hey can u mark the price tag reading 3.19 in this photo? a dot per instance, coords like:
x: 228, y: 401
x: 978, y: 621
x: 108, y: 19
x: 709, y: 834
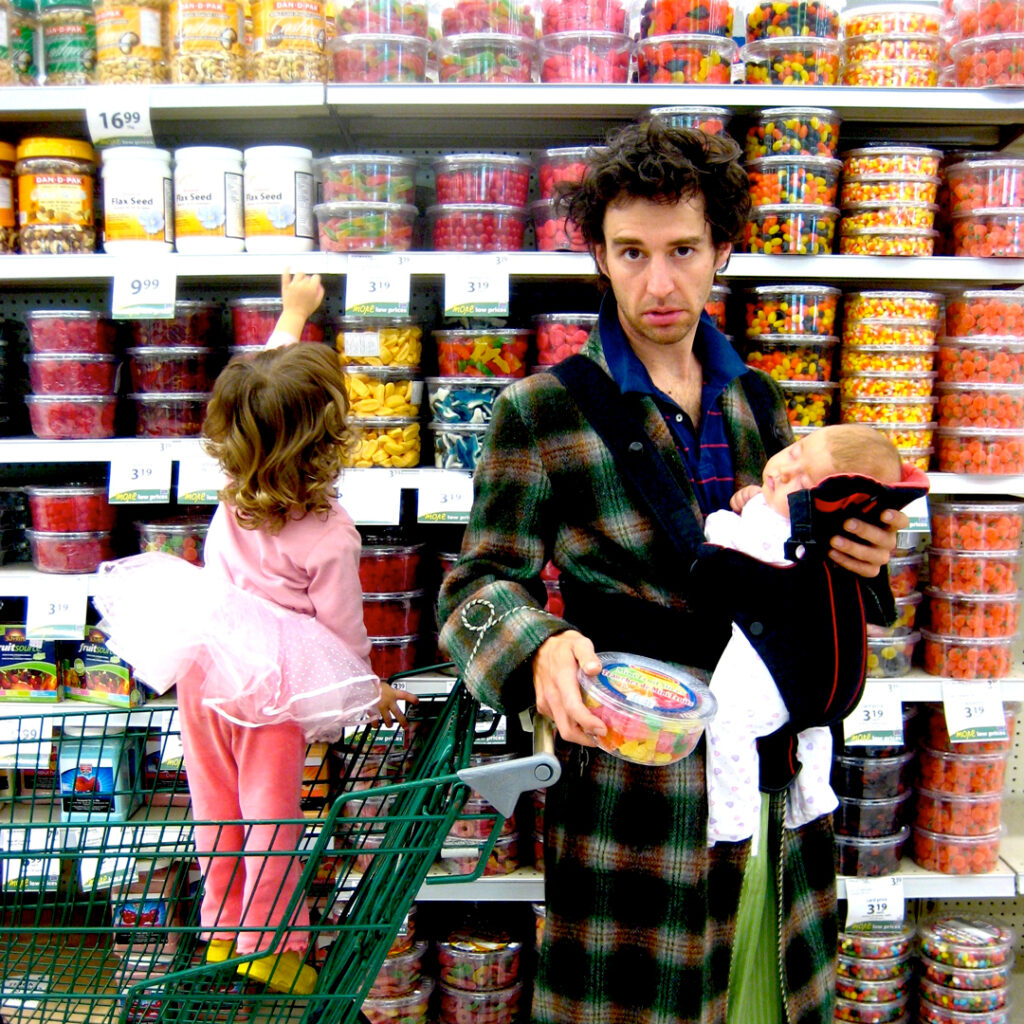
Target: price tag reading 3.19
x: 878, y: 719
x: 477, y: 286
x: 974, y: 710
x: 875, y: 901
x: 377, y: 285
x: 57, y: 612
x: 143, y: 290
x: 140, y: 481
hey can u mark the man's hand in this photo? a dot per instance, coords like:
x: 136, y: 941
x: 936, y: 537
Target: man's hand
x: 866, y: 556
x: 558, y: 690
x: 742, y: 496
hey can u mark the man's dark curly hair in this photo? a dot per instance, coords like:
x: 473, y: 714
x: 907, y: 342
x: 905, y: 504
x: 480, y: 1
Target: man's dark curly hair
x: 653, y: 161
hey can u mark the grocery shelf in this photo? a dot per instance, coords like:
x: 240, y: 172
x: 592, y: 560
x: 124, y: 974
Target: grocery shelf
x: 919, y: 883
x: 520, y: 885
x: 40, y: 450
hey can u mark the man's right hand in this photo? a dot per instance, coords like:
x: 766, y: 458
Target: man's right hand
x: 557, y: 688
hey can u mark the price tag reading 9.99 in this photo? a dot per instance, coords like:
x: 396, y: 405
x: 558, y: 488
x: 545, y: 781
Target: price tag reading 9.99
x: 149, y: 295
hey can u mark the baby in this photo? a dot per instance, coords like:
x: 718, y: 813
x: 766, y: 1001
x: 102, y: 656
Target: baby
x: 749, y: 703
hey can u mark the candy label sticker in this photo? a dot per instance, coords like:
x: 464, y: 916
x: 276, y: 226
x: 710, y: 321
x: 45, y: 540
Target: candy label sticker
x: 477, y: 286
x: 974, y: 710
x: 57, y: 612
x: 874, y: 900
x: 878, y: 718
x: 140, y: 481
x: 647, y: 688
x: 377, y: 285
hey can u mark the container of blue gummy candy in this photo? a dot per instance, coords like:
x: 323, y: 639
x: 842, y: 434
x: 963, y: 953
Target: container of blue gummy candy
x: 457, y: 445
x: 464, y: 399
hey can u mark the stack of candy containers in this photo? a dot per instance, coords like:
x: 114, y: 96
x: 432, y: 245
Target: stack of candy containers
x: 401, y: 990
x: 563, y: 165
x: 586, y: 41
x: 888, y: 344
x: 965, y: 968
x: 71, y: 527
x: 392, y: 579
x: 980, y: 385
x: 378, y: 42
x: 487, y: 40
x: 891, y: 209
x: 990, y: 42
x: 685, y: 41
x: 986, y: 206
x: 874, y: 974
x: 794, y: 178
x: 891, y: 45
x: 795, y: 42
x: 479, y: 977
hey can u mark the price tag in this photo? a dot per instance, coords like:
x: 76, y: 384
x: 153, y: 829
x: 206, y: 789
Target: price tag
x: 141, y: 481
x: 372, y: 497
x: 56, y: 611
x: 377, y: 285
x: 144, y: 290
x: 878, y: 719
x: 974, y: 710
x: 199, y: 481
x: 118, y: 116
x: 917, y: 512
x: 477, y: 286
x: 26, y: 742
x: 445, y: 496
x: 877, y: 901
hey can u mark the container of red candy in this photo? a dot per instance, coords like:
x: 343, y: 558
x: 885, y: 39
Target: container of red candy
x: 681, y: 58
x: 957, y: 657
x: 71, y: 551
x: 554, y: 231
x: 72, y: 373
x: 904, y: 572
x: 390, y: 568
x: 495, y: 16
x: 989, y: 232
x: 560, y: 335
x: 391, y: 654
x: 965, y: 814
x: 996, y: 360
x: 393, y: 615
x: 169, y: 415
x: 974, y: 571
x: 182, y: 368
x: 717, y: 305
x: 69, y: 330
x: 71, y: 416
x: 586, y: 15
x: 194, y: 323
x: 561, y: 164
x: 585, y: 57
x: 871, y: 817
x: 253, y: 321
x: 993, y: 615
x: 75, y: 508
x: 367, y: 57
x: 989, y: 60
x: 408, y: 17
x: 871, y: 778
x: 478, y: 962
x: 476, y: 227
x: 869, y: 858
x: 955, y: 855
x: 713, y: 120
x: 983, y: 450
x: 973, y: 312
x: 482, y: 178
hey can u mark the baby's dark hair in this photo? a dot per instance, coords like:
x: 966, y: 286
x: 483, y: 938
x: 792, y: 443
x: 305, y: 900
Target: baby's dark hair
x: 276, y: 425
x: 651, y: 160
x: 858, y: 448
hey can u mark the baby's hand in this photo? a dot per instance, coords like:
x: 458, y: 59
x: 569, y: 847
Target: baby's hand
x: 301, y: 293
x: 388, y: 706
x: 742, y: 496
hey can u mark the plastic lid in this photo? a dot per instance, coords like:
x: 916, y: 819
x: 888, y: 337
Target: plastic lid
x: 364, y: 206
x: 875, y: 841
x: 364, y: 323
x: 382, y: 372
x: 977, y: 505
x: 566, y: 152
x: 171, y: 396
x: 257, y: 302
x: 65, y: 490
x: 461, y: 159
x: 391, y: 1007
x: 175, y: 526
x: 991, y: 211
x: 458, y: 428
x: 381, y: 550
x: 967, y: 641
x: 986, y: 164
x: 486, y: 383
x: 398, y: 595
x: 802, y: 159
x: 39, y: 145
x: 557, y: 40
x: 893, y: 150
x: 384, y: 422
x: 367, y: 158
x: 117, y: 153
x: 473, y: 944
x: 989, y: 294
x: 73, y: 399
x: 58, y: 535
x: 770, y: 113
x: 787, y: 210
x: 207, y: 153
x: 509, y: 333
x: 761, y: 48
x: 440, y: 209
x: 962, y: 941
x: 170, y: 352
x: 376, y: 39
x: 699, y: 110
x: 698, y: 40
x: 793, y: 289
x: 69, y: 357
x: 763, y: 341
x: 557, y: 318
x: 489, y: 40
x: 393, y: 641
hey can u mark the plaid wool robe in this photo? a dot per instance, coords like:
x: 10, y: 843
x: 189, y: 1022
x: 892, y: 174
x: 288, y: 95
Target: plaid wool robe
x: 640, y: 914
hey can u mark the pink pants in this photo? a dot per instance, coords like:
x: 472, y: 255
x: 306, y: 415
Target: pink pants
x: 244, y: 774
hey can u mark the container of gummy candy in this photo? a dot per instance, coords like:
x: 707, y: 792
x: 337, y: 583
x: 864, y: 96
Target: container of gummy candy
x: 713, y: 120
x: 655, y: 713
x: 890, y: 656
x: 464, y: 399
x: 183, y: 537
x: 560, y: 335
x: 410, y: 1009
x: 478, y: 962
x: 400, y: 973
x: 457, y: 445
x: 496, y: 1006
x: 369, y: 178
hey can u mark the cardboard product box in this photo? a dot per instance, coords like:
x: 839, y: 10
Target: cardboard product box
x: 29, y: 669
x: 40, y: 783
x: 99, y: 775
x: 164, y: 765
x: 92, y: 672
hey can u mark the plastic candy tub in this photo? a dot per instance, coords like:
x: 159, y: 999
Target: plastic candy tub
x: 497, y: 1006
x: 871, y: 778
x: 970, y: 979
x: 464, y: 399
x: 955, y: 855
x: 560, y: 335
x: 880, y: 969
x: 169, y: 415
x: 806, y: 180
x: 71, y: 416
x: 981, y: 405
x: 72, y: 373
x: 716, y: 306
x: 791, y: 309
x: 994, y: 615
x: 906, y: 609
x: 391, y: 654
x: 887, y: 241
x: 966, y: 814
x: 408, y: 18
x: 482, y: 178
x: 982, y: 360
x: 474, y: 963
x: 69, y: 330
x: 872, y: 1013
x: 494, y: 16
x: 888, y: 410
x: 367, y: 178
x: 713, y: 120
x: 685, y: 58
x: 768, y: 19
x: 989, y: 232
x: 409, y: 1009
x: 554, y: 231
x: 400, y: 974
x: 995, y: 60
x: 393, y: 615
x: 72, y: 509
x: 476, y: 227
x: 194, y: 323
x: 182, y: 537
x: 808, y: 403
x: 890, y: 656
x: 889, y: 188
x: 877, y: 944
x: 784, y: 228
x: 974, y: 571
x: 365, y: 227
x: 253, y: 321
x: 482, y: 58
x: 959, y: 774
x: 890, y: 18
x: 375, y: 341
x: 392, y: 442
x: 875, y: 991
x: 586, y: 57
x: 999, y: 313
x: 659, y: 17
x: 169, y: 369
x: 887, y: 359
x: 561, y: 164
x: 805, y: 131
x: 917, y: 160
x: 457, y: 445
x: 870, y: 818
x: 883, y: 213
x: 907, y: 436
x: 791, y: 60
x: 869, y: 858
x: 981, y: 183
x: 983, y: 450
x: 966, y: 944
x: 886, y: 385
x: 588, y: 15
x: 383, y: 391
x: 958, y: 657
x: 893, y: 73
x: 468, y: 827
x: 897, y: 306
x: 500, y: 352
x: 936, y: 735
x: 793, y: 357
x: 655, y: 713
x: 461, y: 857
x: 937, y: 1000
x: 377, y: 57
x: 888, y: 331
x: 69, y: 552
x: 389, y: 568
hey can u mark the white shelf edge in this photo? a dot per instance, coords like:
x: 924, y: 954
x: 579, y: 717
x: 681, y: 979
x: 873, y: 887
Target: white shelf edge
x: 521, y: 885
x: 919, y: 883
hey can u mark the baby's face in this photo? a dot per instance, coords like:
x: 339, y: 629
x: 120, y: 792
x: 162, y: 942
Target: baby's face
x: 800, y: 466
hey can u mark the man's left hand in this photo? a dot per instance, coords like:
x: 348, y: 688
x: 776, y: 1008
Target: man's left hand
x: 873, y: 547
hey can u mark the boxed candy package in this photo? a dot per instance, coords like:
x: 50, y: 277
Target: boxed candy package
x: 92, y: 672
x: 28, y: 668
x: 655, y: 712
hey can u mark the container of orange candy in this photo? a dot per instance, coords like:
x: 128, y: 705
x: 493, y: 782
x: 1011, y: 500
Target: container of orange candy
x: 994, y: 615
x: 988, y: 312
x: 976, y: 525
x: 979, y: 450
x: 655, y: 712
x: 982, y: 360
x: 961, y: 814
x: 977, y: 183
x: 989, y: 60
x: 958, y: 657
x: 794, y: 179
x: 980, y: 405
x: 936, y: 734
x: 989, y: 231
x: 956, y: 855
x: 945, y: 771
x: 973, y: 572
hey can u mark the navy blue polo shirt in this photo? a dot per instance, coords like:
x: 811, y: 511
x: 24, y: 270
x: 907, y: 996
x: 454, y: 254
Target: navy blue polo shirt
x: 705, y: 452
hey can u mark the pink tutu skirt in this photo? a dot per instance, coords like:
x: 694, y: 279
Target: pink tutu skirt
x: 259, y: 663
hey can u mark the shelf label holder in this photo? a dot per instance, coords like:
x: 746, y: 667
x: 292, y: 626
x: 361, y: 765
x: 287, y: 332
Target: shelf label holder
x: 57, y: 610
x: 878, y: 719
x: 974, y: 710
x: 378, y: 285
x: 477, y: 285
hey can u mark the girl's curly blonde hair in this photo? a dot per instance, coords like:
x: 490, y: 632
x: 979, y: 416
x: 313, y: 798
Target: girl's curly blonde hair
x: 276, y: 425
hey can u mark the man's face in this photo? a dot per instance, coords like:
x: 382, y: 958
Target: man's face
x: 802, y: 465
x: 661, y: 263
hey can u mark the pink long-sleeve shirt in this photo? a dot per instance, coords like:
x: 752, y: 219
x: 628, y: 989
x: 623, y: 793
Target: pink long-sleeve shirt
x: 310, y: 567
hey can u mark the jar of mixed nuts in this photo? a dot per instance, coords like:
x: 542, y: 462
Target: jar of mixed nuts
x: 56, y: 182
x: 289, y: 41
x: 6, y: 67
x: 69, y: 42
x: 131, y: 41
x: 8, y: 236
x: 24, y: 29
x: 207, y: 41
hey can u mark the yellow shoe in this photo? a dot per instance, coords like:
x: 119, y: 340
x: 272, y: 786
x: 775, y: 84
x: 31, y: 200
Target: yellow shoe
x: 219, y: 950
x: 281, y: 972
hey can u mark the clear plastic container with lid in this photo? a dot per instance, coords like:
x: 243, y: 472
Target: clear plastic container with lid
x: 208, y: 200
x: 365, y: 227
x: 482, y: 178
x: 514, y: 17
x: 378, y: 341
x: 8, y: 234
x: 659, y: 17
x: 966, y: 942
x: 480, y: 57
x: 684, y: 58
x: 373, y: 178
x: 138, y: 200
x: 586, y: 57
x: 131, y: 41
x: 371, y: 57
x: 408, y: 18
x: 69, y: 42
x: 478, y: 962
x: 279, y: 195
x: 892, y: 160
x: 457, y: 445
x: 806, y: 131
x: 713, y: 120
x: 288, y: 41
x: 207, y: 41
x: 56, y: 184
x: 71, y: 508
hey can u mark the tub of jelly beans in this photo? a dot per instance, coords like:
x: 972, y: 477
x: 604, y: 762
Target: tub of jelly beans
x: 804, y: 357
x: 993, y: 615
x: 75, y: 508
x: 464, y: 399
x: 906, y: 609
x: 880, y: 969
x: 391, y: 654
x: 561, y: 164
x: 586, y: 16
x: 713, y: 120
x: 966, y: 943
x: 980, y: 450
x: 400, y: 973
x: 982, y: 360
x: 808, y: 404
x: 372, y: 57
x: 917, y: 160
x: 182, y: 368
x: 940, y: 998
x: 887, y: 359
x: 974, y: 571
x: 879, y: 990
x: 375, y: 341
x: 169, y: 415
x: 685, y: 58
x: 395, y: 614
x: 361, y: 226
x: 936, y: 734
x: 70, y: 551
x: 655, y: 713
x: 716, y: 306
x: 888, y: 385
x: 476, y: 227
x: 871, y: 777
x: 887, y: 241
x: 253, y: 321
x: 872, y: 1013
x: 554, y: 231
x: 791, y: 309
x: 412, y: 1008
x: 869, y: 858
x: 494, y: 16
x: 473, y: 963
x: 966, y: 814
x: 892, y: 73
x: 381, y: 391
x: 367, y: 178
x: 660, y: 17
x: 870, y: 818
x: 183, y: 537
x: 486, y: 57
x: 787, y: 60
x: 973, y: 312
x: 194, y: 323
x: 890, y: 188
x: 989, y: 60
x: 497, y: 1006
x: 985, y: 183
x: 69, y: 330
x: 560, y: 335
x: 768, y: 19
x: 867, y: 943
x: 955, y: 855
x: 392, y: 442
x: 890, y: 656
x: 585, y: 57
x: 462, y: 857
x: 803, y: 131
x: 980, y: 405
x: 886, y: 214
x: 989, y: 232
x: 785, y: 228
x: 71, y: 373
x: 389, y: 568
x: 809, y: 180
x: 457, y: 445
x: 500, y: 352
x: 482, y: 178
x: 71, y: 416
x: 408, y: 17
x: 954, y: 772
x: 970, y: 979
x: 958, y: 657
x: 888, y: 331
